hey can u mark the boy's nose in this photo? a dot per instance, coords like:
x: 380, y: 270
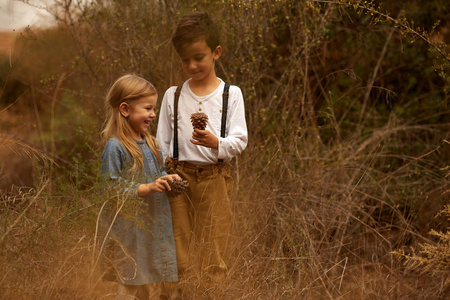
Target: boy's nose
x: 192, y: 65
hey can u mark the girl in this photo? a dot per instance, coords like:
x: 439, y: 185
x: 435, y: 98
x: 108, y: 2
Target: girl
x: 137, y: 225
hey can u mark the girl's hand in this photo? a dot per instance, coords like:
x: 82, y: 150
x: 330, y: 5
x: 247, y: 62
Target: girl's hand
x: 204, y: 138
x: 171, y: 177
x: 158, y: 186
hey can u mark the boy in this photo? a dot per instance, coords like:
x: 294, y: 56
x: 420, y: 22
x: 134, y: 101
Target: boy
x: 201, y: 216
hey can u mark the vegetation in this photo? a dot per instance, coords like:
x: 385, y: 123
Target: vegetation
x: 339, y: 191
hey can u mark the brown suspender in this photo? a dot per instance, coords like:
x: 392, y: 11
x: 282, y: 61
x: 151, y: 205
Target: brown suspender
x: 175, y: 128
x: 226, y: 93
x: 225, y: 96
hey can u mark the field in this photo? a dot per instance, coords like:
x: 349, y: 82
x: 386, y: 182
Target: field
x: 342, y: 192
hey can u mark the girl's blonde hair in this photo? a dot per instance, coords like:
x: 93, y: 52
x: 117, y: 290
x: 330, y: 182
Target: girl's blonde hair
x: 128, y: 88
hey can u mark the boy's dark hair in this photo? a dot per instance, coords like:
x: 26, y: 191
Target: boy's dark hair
x: 193, y: 28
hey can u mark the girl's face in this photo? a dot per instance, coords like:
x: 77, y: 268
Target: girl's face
x: 139, y: 113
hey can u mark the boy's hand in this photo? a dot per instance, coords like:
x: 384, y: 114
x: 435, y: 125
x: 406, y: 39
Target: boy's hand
x: 204, y: 138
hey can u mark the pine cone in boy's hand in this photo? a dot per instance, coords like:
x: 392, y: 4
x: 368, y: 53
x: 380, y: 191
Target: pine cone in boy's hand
x: 199, y: 120
x: 177, y: 187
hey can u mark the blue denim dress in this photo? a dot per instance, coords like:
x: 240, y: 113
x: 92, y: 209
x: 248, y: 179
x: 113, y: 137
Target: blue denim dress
x: 137, y: 235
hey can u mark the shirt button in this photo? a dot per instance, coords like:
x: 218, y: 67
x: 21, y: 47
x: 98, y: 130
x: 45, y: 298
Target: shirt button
x: 199, y: 109
x: 200, y: 103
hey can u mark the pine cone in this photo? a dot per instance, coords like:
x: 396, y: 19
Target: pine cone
x: 177, y: 187
x: 199, y: 120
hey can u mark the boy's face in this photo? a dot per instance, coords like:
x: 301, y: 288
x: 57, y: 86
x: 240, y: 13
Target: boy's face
x: 198, y: 60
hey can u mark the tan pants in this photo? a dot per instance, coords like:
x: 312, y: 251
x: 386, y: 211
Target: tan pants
x: 201, y: 219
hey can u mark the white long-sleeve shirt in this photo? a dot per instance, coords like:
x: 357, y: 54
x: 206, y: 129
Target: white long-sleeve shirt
x: 236, y: 137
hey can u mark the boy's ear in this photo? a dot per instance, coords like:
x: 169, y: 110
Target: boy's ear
x: 124, y: 109
x: 217, y: 52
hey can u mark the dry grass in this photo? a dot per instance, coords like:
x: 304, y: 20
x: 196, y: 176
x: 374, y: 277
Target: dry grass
x: 324, y: 233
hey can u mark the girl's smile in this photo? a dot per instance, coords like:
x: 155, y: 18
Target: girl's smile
x: 140, y: 113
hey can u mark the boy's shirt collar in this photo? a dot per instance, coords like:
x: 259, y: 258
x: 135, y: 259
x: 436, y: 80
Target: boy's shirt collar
x: 205, y: 97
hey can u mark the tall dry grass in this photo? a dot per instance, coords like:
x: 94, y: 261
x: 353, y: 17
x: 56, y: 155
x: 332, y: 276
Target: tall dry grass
x: 346, y: 120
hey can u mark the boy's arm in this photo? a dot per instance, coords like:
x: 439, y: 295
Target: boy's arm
x: 164, y: 131
x: 236, y: 137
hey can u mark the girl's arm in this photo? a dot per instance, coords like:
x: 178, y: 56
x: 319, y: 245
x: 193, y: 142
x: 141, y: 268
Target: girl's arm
x: 114, y: 161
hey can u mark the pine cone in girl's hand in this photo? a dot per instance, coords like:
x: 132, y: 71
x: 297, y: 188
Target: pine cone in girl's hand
x: 199, y: 120
x: 177, y: 187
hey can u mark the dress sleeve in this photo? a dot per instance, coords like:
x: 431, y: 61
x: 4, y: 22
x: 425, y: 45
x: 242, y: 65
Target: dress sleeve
x: 236, y: 137
x: 115, y: 162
